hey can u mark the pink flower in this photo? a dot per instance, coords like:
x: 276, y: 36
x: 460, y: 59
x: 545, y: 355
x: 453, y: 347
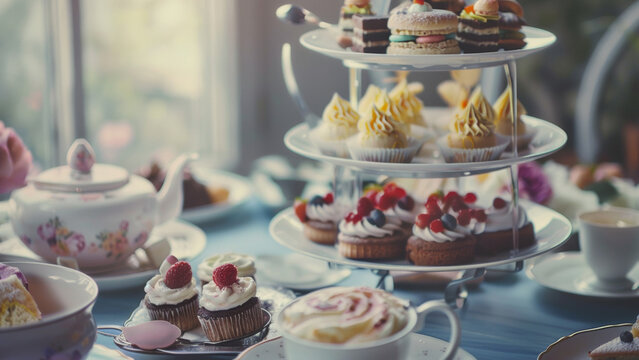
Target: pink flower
x: 75, y: 244
x: 46, y: 231
x: 15, y: 160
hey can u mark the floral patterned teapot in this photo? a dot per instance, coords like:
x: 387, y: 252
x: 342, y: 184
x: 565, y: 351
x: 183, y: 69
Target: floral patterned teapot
x: 96, y: 213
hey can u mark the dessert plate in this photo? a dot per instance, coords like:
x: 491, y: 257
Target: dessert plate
x: 577, y: 345
x: 569, y: 273
x: 548, y: 139
x: 551, y: 230
x: 195, y: 341
x: 186, y: 240
x: 297, y: 271
x: 239, y: 189
x: 421, y: 347
x: 324, y: 42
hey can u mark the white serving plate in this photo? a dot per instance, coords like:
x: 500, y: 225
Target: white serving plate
x: 239, y: 193
x: 577, y: 345
x: 548, y: 139
x: 551, y: 230
x: 324, y: 42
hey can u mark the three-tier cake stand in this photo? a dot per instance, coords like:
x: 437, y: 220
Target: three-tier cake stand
x: 551, y: 228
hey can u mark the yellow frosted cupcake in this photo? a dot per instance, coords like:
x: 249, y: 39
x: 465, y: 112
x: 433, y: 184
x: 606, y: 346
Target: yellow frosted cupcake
x: 339, y: 122
x: 381, y: 139
x: 504, y: 123
x: 368, y: 100
x: 408, y: 103
x: 471, y: 138
x: 482, y: 105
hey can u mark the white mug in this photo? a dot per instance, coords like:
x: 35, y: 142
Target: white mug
x: 394, y: 347
x: 609, y: 240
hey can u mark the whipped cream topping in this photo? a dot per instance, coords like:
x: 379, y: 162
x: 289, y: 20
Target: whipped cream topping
x: 408, y: 102
x: 159, y: 294
x: 388, y: 107
x: 406, y: 216
x: 482, y: 105
x: 333, y: 212
x: 616, y: 346
x: 368, y: 100
x: 339, y: 120
x: 502, y: 219
x: 503, y: 121
x: 470, y: 123
x: 215, y: 298
x: 427, y: 234
x: 345, y: 315
x: 364, y: 229
x: 245, y: 265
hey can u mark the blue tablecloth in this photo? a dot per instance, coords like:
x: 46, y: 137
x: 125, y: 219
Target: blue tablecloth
x: 508, y: 317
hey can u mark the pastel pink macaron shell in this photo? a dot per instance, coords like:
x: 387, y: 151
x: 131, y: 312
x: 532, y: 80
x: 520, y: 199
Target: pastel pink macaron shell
x: 151, y: 335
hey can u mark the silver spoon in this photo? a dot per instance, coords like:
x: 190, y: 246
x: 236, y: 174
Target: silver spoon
x: 298, y: 15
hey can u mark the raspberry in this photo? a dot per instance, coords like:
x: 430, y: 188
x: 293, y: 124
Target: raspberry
x: 423, y: 220
x: 451, y: 196
x: 437, y: 226
x: 300, y: 210
x: 328, y: 198
x: 365, y: 206
x: 458, y: 205
x: 349, y: 217
x: 397, y: 192
x: 386, y: 201
x: 499, y: 203
x: 470, y: 198
x: 371, y: 195
x: 480, y: 215
x: 178, y: 275
x: 357, y: 217
x: 464, y: 217
x: 225, y: 275
x: 433, y: 208
x: 390, y: 187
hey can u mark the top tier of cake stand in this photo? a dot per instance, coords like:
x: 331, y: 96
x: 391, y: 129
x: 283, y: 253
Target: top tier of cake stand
x: 324, y: 42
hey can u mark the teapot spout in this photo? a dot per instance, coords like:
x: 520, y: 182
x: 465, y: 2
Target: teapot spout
x: 170, y: 197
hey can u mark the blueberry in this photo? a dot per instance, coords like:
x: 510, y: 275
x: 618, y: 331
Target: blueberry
x: 449, y: 221
x: 406, y: 203
x: 626, y: 337
x: 377, y: 218
x: 316, y: 200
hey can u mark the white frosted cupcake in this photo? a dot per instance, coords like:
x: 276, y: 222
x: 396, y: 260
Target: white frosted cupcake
x: 381, y: 139
x: 339, y: 122
x: 172, y: 295
x: 245, y: 265
x: 229, y: 307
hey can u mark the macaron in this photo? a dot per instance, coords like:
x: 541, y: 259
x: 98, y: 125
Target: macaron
x: 418, y: 29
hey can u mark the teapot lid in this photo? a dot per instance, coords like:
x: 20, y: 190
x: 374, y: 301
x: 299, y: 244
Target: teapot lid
x: 82, y: 174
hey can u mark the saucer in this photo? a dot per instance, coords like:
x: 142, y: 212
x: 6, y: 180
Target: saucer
x: 421, y: 347
x: 296, y: 271
x: 568, y: 272
x: 577, y: 345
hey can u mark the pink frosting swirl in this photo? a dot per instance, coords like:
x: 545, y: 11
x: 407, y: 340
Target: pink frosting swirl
x: 15, y: 160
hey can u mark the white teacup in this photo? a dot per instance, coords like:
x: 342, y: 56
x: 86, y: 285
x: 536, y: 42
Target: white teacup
x: 609, y: 240
x: 395, y: 347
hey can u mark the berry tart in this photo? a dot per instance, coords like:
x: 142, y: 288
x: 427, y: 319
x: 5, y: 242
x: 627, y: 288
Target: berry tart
x: 497, y: 235
x: 395, y: 202
x: 245, y: 265
x: 367, y: 233
x: 320, y: 216
x: 442, y: 238
x: 229, y: 308
x: 172, y: 295
x: 17, y: 306
x: 623, y: 347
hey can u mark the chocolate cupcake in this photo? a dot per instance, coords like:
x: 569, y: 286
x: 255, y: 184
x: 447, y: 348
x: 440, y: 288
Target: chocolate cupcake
x: 172, y: 295
x: 229, y: 308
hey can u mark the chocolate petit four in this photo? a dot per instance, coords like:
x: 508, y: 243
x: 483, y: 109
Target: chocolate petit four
x: 370, y: 34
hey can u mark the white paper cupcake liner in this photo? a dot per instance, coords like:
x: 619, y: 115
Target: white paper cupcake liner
x: 397, y: 155
x: 456, y: 155
x: 330, y: 147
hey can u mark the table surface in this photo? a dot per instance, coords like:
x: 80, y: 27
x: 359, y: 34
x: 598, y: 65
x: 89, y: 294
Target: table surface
x: 506, y: 317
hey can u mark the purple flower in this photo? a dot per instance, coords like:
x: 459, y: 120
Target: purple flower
x: 46, y: 231
x: 533, y: 183
x: 75, y: 243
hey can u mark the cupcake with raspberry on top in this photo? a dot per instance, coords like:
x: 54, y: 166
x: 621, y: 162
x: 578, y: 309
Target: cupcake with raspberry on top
x: 172, y: 295
x: 498, y: 234
x: 441, y: 238
x: 229, y: 307
x: 320, y: 216
x: 395, y: 202
x: 367, y: 233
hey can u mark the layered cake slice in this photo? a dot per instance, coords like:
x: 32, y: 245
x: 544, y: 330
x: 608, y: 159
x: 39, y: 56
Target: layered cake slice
x: 17, y: 306
x: 370, y: 34
x: 623, y: 347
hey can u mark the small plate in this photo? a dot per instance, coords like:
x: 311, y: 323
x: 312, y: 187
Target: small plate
x: 296, y: 271
x: 421, y: 347
x: 577, y: 345
x: 568, y: 272
x: 187, y: 241
x: 239, y: 189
